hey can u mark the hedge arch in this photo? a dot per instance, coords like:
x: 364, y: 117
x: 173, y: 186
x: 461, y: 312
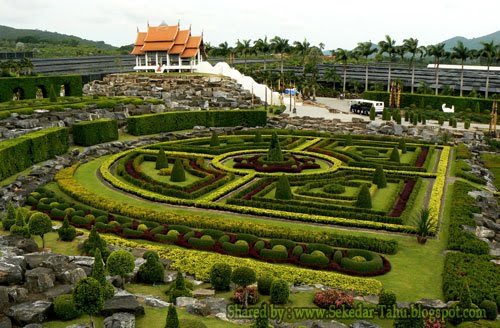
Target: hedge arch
x: 43, y: 90
x: 72, y: 85
x: 18, y: 93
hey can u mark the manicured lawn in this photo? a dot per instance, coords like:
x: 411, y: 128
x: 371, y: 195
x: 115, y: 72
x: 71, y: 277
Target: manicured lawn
x: 384, y: 198
x: 419, y: 201
x: 56, y: 246
x: 148, y: 168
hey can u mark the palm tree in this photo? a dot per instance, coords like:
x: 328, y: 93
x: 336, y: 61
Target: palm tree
x: 463, y: 53
x: 331, y: 76
x: 302, y: 49
x: 365, y: 49
x: 411, y: 46
x: 343, y: 55
x: 489, y: 52
x: 224, y: 49
x: 321, y: 46
x: 263, y: 47
x: 438, y: 52
x: 280, y: 46
x: 388, y: 46
x: 244, y: 48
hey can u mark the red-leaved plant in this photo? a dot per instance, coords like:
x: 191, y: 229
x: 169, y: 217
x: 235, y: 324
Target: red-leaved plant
x: 333, y: 298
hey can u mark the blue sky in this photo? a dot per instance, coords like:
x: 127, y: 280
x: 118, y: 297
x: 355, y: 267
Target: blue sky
x: 336, y: 24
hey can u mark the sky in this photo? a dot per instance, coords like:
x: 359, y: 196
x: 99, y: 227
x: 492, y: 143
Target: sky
x: 334, y: 23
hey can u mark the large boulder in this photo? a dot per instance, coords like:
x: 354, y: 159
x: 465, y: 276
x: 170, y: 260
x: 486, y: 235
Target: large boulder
x: 184, y: 301
x: 11, y: 272
x: 120, y: 320
x: 40, y: 280
x: 198, y: 308
x: 27, y: 245
x: 58, y: 290
x: 216, y: 304
x: 30, y: 312
x: 122, y: 303
x: 34, y: 260
x: 18, y: 294
x: 72, y: 276
x: 364, y: 324
x: 5, y: 322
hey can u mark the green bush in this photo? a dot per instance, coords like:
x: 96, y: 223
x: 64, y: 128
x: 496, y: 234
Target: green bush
x: 283, y: 190
x: 411, y: 322
x: 379, y: 177
x: 467, y: 124
x: 161, y: 160
x: 64, y: 308
x: 120, y: 263
x: 142, y: 227
x: 275, y: 254
x: 373, y: 261
x: 152, y: 271
x: 372, y: 114
x: 310, y: 259
x: 172, y: 319
x: 334, y: 188
x: 259, y: 245
x: 214, y: 140
x: 243, y: 276
x: 220, y: 276
x: 9, y: 219
x: 20, y: 153
x: 264, y: 284
x: 394, y: 157
x: 297, y: 251
x: 178, y: 173
x: 40, y: 224
x: 178, y: 288
x: 364, y: 198
x: 235, y: 248
x: 30, y: 84
x: 66, y: 232
x: 91, y: 133
x: 95, y: 242
x: 279, y: 292
x: 490, y: 308
x: 337, y: 257
x: 185, y: 120
x: 387, y: 299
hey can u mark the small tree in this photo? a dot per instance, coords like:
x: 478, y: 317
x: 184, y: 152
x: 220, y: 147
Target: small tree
x: 95, y: 242
x: 243, y: 277
x: 262, y: 320
x: 364, y: 198
x: 178, y: 288
x: 172, y: 319
x: 99, y: 273
x: 87, y: 297
x: 120, y: 263
x: 152, y: 271
x: 214, y: 140
x: 274, y: 154
x: 178, y: 173
x: 67, y: 232
x: 395, y: 155
x: 283, y: 190
x: 424, y: 225
x: 379, y: 177
x: 280, y: 291
x: 220, y: 276
x: 39, y: 224
x: 258, y: 137
x: 348, y: 140
x: 10, y: 217
x: 402, y: 146
x: 52, y: 94
x: 373, y: 114
x: 407, y: 116
x: 20, y: 228
x: 161, y: 160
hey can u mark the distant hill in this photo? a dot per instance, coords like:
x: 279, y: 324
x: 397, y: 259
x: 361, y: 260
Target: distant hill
x: 474, y: 43
x: 37, y: 36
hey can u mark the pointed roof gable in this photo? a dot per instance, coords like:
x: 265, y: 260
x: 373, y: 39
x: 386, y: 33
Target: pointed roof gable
x: 161, y: 33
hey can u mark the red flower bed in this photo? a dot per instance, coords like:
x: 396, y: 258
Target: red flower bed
x: 333, y: 298
x: 403, y: 199
x: 296, y: 165
x: 422, y: 157
x: 256, y: 191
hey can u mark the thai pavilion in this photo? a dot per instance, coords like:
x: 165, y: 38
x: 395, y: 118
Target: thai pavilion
x: 164, y: 48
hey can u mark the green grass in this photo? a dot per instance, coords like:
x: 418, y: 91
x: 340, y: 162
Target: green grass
x: 419, y: 201
x: 383, y: 200
x: 56, y: 246
x: 148, y: 168
x: 493, y: 164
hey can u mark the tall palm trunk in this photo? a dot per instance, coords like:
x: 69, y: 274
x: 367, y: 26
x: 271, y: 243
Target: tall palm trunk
x: 389, y: 78
x: 437, y: 78
x: 487, y: 81
x: 462, y: 80
x: 281, y: 64
x: 366, y: 77
x: 265, y: 61
x: 413, y: 78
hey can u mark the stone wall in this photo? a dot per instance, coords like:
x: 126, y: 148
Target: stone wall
x: 179, y: 92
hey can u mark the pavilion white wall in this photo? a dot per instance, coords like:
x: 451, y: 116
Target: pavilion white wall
x: 247, y: 83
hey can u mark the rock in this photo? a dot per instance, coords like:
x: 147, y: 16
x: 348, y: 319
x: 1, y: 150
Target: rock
x: 5, y: 322
x: 52, y: 293
x: 40, y: 280
x: 482, y: 232
x: 215, y: 304
x: 373, y: 299
x: 4, y: 295
x: 170, y: 276
x: 27, y: 245
x: 496, y: 262
x: 10, y: 272
x: 79, y: 325
x: 364, y: 324
x: 155, y: 302
x: 184, y: 301
x: 203, y: 293
x: 18, y: 294
x: 30, y: 312
x: 34, y: 325
x: 431, y: 303
x: 120, y: 320
x: 73, y: 276
x: 125, y: 303
x: 298, y: 289
x: 198, y: 308
x: 34, y: 260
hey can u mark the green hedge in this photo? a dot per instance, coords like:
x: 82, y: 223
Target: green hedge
x: 20, y: 153
x: 176, y: 121
x: 91, y: 133
x: 373, y: 261
x: 421, y: 101
x: 30, y: 84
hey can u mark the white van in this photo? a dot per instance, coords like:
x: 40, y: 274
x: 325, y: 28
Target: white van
x: 379, y: 105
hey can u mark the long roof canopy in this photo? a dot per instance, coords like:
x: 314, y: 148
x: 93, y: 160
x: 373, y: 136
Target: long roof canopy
x: 169, y: 39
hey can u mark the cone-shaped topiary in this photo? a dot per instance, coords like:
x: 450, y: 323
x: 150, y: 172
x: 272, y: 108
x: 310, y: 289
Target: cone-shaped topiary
x: 52, y: 94
x: 172, y: 319
x: 283, y: 190
x: 178, y: 174
x: 379, y: 177
x: 10, y: 218
x: 66, y: 232
x: 262, y: 320
x: 395, y: 155
x: 214, y: 141
x: 20, y: 228
x: 95, y: 242
x: 274, y: 154
x: 402, y: 146
x: 364, y: 197
x: 373, y: 114
x: 99, y: 273
x: 161, y: 160
x: 258, y: 137
x: 152, y: 271
x: 348, y: 140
